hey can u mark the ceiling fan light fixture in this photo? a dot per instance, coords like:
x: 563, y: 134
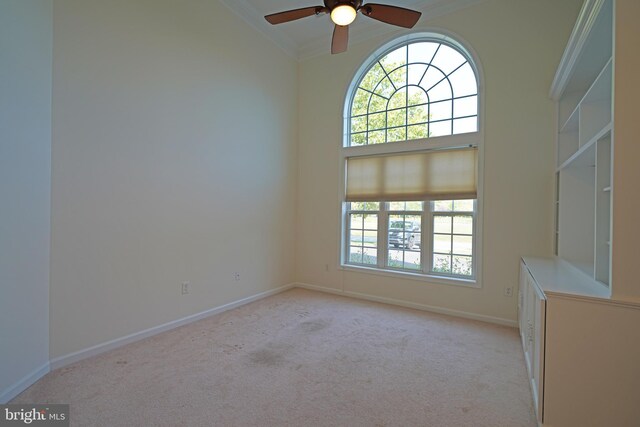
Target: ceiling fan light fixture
x: 343, y: 14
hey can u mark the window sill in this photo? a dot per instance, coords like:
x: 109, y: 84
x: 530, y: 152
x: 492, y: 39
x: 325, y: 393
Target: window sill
x: 441, y: 280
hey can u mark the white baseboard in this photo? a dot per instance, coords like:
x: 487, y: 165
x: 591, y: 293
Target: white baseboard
x: 65, y: 360
x: 24, y: 383
x: 402, y: 303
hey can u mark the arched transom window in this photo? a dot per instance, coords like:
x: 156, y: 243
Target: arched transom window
x: 423, y: 89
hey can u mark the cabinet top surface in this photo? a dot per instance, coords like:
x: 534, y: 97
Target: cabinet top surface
x: 556, y: 276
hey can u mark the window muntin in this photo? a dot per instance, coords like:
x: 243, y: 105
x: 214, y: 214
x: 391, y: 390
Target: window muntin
x: 419, y: 90
x: 453, y: 237
x: 404, y: 236
x: 363, y: 233
x: 432, y: 237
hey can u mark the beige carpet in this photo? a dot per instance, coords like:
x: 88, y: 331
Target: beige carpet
x: 303, y: 358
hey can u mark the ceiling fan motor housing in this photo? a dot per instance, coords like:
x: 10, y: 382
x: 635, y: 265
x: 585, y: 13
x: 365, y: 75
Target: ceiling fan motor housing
x: 331, y: 4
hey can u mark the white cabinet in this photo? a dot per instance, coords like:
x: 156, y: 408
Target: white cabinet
x: 532, y: 330
x: 581, y: 347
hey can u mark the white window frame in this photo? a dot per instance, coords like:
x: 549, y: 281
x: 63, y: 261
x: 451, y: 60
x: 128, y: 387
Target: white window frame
x: 474, y: 139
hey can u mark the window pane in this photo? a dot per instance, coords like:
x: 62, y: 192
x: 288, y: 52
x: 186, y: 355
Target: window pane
x: 396, y: 118
x: 442, y: 263
x: 377, y: 137
x: 463, y: 224
x: 377, y: 103
x: 399, y: 76
x: 431, y: 78
x: 359, y: 124
x: 465, y: 125
x: 370, y: 256
x: 440, y: 128
x: 464, y: 81
x: 373, y: 77
x: 396, y: 206
x: 443, y: 205
x: 370, y: 238
x: 415, y: 73
x: 385, y: 89
x: 377, y: 121
x: 371, y: 222
x: 417, y: 96
x: 364, y: 206
x: 404, y: 258
x: 448, y: 59
x: 358, y: 138
x: 398, y: 134
x: 462, y: 245
x: 440, y: 110
x: 355, y: 254
x: 417, y: 114
x: 398, y: 100
x: 462, y: 265
x: 442, y: 224
x: 422, y: 51
x: 394, y: 59
x: 465, y: 106
x: 356, y: 221
x: 418, y: 132
x: 463, y: 205
x: 405, y: 206
x: 404, y: 231
x: 440, y: 91
x: 442, y: 243
x: 356, y: 238
x: 360, y: 101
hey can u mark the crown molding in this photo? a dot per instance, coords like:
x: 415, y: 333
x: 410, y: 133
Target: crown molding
x: 584, y: 24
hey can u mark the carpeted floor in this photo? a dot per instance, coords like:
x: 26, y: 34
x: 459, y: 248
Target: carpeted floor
x: 303, y: 358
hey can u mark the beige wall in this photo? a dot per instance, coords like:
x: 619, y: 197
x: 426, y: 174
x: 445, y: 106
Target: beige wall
x: 25, y: 192
x: 626, y: 153
x: 519, y: 44
x: 174, y: 149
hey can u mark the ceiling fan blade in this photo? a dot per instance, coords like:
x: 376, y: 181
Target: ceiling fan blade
x: 393, y: 15
x: 292, y: 15
x: 340, y: 39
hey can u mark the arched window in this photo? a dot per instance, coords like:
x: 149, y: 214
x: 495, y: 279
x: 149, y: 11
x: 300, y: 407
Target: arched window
x: 410, y: 151
x: 421, y: 89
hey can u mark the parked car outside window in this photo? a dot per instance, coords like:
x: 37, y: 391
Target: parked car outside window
x: 405, y: 234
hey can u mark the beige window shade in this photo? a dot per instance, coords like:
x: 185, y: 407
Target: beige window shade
x: 432, y: 175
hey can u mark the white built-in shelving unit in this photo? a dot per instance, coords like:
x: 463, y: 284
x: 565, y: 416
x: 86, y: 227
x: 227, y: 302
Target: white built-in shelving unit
x: 583, y: 89
x: 580, y: 342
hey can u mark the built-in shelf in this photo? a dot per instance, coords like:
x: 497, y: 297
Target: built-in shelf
x: 583, y: 89
x: 554, y: 275
x: 604, y: 131
x: 571, y: 124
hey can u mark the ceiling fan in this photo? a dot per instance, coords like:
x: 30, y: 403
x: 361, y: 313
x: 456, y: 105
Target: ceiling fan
x: 344, y: 12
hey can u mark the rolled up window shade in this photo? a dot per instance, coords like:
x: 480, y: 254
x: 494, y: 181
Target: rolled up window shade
x: 431, y: 175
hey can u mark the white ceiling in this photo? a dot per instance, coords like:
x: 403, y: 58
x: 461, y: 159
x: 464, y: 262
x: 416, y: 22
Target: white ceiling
x: 311, y: 36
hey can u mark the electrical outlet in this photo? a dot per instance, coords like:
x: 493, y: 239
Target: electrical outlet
x: 236, y: 276
x: 508, y: 291
x: 185, y: 288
